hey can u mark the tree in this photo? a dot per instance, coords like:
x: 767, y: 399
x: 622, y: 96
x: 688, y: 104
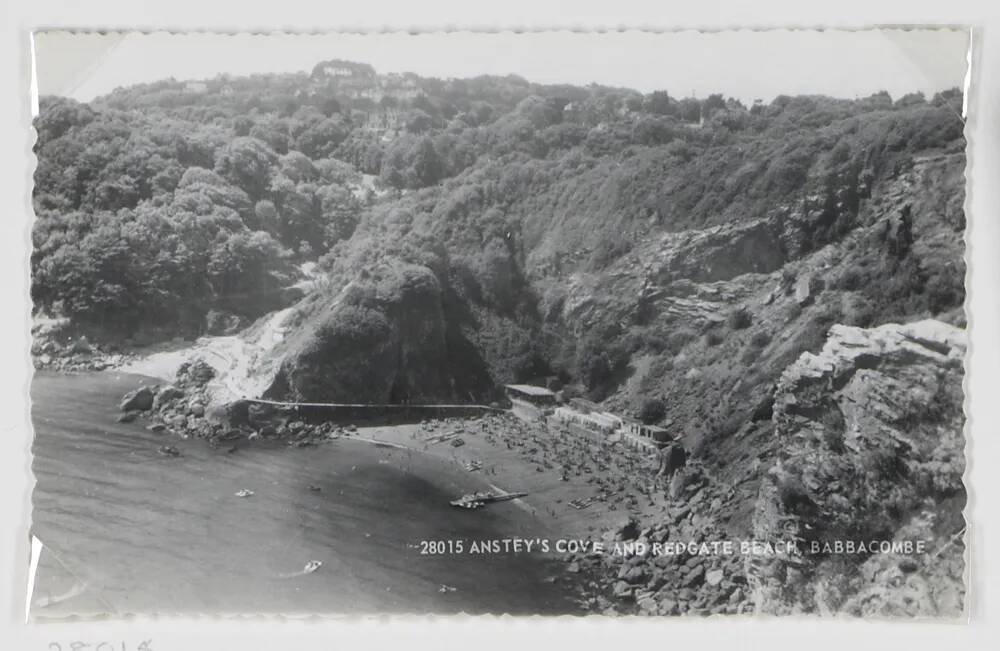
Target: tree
x: 247, y: 164
x: 266, y: 216
x: 322, y: 139
x: 340, y: 211
x: 57, y: 115
x: 712, y: 104
x: 689, y: 109
x: 273, y: 134
x: 411, y: 162
x: 298, y: 168
x: 659, y: 102
x: 425, y: 165
x: 242, y: 262
x: 418, y: 122
x: 202, y: 192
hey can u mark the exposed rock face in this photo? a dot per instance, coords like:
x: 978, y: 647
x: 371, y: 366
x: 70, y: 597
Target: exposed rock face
x: 721, y: 252
x: 870, y: 432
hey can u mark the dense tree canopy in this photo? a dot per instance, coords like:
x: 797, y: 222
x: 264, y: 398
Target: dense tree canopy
x: 158, y: 201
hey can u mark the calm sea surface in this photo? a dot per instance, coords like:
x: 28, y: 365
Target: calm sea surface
x: 128, y: 530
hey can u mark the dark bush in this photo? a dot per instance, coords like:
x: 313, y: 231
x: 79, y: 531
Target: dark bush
x: 653, y: 410
x: 739, y: 319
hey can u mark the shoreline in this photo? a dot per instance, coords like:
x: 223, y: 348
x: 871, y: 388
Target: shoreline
x: 578, y: 489
x: 553, y: 465
x: 515, y: 455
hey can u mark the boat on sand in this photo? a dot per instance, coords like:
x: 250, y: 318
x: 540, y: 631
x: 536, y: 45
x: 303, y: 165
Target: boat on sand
x: 481, y: 499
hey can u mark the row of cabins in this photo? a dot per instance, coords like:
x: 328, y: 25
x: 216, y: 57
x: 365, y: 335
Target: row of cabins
x: 588, y: 416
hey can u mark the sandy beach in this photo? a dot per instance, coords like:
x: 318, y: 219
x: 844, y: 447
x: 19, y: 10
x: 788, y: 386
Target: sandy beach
x: 554, y: 466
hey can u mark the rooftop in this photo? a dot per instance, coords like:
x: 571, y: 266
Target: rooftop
x: 531, y: 390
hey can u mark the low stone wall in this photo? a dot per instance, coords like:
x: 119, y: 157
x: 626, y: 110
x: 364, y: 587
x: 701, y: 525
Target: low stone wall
x: 377, y: 414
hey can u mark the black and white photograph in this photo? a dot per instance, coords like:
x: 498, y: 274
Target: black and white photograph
x: 621, y: 323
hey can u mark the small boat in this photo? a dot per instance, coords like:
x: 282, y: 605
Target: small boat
x: 169, y: 450
x: 244, y: 492
x: 479, y: 500
x: 311, y: 567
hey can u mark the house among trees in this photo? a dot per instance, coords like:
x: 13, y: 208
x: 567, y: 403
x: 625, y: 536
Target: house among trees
x: 337, y: 69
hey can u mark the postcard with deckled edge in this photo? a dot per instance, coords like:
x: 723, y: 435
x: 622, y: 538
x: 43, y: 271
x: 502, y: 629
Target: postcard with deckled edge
x: 542, y: 323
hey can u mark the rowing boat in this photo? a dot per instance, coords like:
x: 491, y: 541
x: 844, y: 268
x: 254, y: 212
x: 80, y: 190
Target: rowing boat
x: 479, y: 500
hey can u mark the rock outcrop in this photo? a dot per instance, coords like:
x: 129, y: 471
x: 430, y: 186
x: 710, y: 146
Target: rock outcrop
x: 381, y: 341
x: 721, y: 252
x: 870, y: 433
x: 140, y: 399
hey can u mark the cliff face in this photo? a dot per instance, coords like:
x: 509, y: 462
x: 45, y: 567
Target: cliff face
x: 845, y: 499
x: 870, y: 444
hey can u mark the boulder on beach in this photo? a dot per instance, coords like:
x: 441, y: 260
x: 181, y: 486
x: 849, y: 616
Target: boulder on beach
x: 229, y: 414
x: 140, y: 399
x: 714, y: 577
x: 127, y: 417
x: 197, y: 373
x: 622, y: 590
x: 629, y: 530
x: 165, y: 395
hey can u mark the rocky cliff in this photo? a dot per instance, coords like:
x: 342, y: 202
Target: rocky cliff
x: 871, y: 452
x: 846, y: 501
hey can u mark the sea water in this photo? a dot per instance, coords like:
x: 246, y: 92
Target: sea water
x: 127, y: 530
